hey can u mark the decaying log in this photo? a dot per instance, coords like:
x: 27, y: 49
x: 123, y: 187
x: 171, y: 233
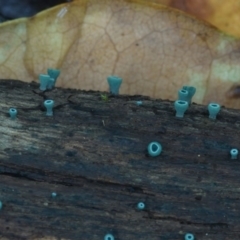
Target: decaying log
x: 93, y: 154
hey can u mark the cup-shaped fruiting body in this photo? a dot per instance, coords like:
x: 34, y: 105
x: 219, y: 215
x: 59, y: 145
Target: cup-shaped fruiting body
x: 234, y: 153
x: 114, y: 83
x: 141, y: 206
x: 189, y: 236
x: 191, y: 91
x: 13, y: 113
x: 108, y: 237
x: 154, y: 149
x: 180, y: 107
x: 139, y: 103
x: 50, y: 84
x: 54, y: 194
x: 49, y: 106
x: 183, y: 95
x: 213, y: 109
x: 53, y: 73
x: 1, y: 204
x: 44, y: 80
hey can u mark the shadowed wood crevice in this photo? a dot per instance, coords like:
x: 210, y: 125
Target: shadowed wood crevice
x: 93, y: 154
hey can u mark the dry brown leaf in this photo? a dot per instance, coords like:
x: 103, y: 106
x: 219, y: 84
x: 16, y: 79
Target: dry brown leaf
x: 225, y: 15
x: 156, y: 50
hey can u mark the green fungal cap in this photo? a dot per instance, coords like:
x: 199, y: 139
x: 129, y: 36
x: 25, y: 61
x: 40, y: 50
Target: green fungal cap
x: 54, y: 194
x: 183, y: 95
x: 213, y: 109
x: 154, y: 149
x: 13, y: 113
x: 50, y: 84
x: 180, y: 107
x: 234, y: 153
x: 49, y: 106
x: 189, y: 236
x: 53, y: 73
x: 44, y: 80
x: 139, y: 103
x: 141, y: 205
x: 191, y: 91
x: 114, y: 83
x: 108, y: 237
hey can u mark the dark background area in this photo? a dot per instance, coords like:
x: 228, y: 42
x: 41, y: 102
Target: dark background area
x: 12, y: 9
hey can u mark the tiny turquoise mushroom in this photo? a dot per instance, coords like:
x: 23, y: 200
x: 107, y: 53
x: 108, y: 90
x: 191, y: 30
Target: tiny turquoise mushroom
x: 49, y: 106
x: 180, y: 107
x: 50, y: 84
x: 189, y: 236
x: 191, y: 91
x: 183, y: 95
x: 54, y: 194
x: 114, y: 83
x: 141, y: 205
x: 213, y: 109
x: 139, y: 103
x: 13, y: 113
x: 109, y: 237
x: 234, y: 153
x: 44, y: 80
x: 54, y: 73
x: 154, y: 149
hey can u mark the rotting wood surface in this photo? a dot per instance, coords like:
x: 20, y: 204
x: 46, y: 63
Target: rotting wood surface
x: 93, y: 154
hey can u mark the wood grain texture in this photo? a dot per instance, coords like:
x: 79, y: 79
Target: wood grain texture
x: 93, y: 154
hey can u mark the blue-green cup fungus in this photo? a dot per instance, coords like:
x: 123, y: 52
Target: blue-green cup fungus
x: 13, y: 113
x: 189, y: 236
x: 139, y: 103
x: 213, y: 109
x: 53, y: 73
x: 49, y: 106
x: 183, y: 95
x: 234, y: 153
x: 180, y: 107
x: 154, y: 149
x: 54, y: 194
x: 108, y: 237
x: 50, y: 84
x: 1, y: 205
x: 191, y: 91
x: 44, y: 81
x: 114, y: 83
x: 140, y: 205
